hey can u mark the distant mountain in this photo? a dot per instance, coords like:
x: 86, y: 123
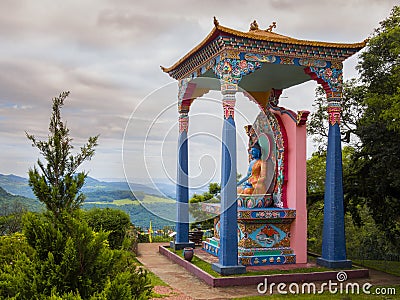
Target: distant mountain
x: 107, y: 194
x: 19, y: 186
x: 93, y: 185
x: 16, y: 185
x: 7, y: 201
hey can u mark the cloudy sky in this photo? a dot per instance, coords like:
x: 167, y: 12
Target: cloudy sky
x: 108, y: 53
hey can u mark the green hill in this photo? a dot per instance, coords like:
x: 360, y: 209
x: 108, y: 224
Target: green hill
x: 149, y: 207
x: 100, y: 194
x: 92, y: 188
x: 16, y: 185
x: 7, y: 201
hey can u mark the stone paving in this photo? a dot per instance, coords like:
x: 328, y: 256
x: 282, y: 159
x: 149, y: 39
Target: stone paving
x: 184, y: 282
x: 185, y: 286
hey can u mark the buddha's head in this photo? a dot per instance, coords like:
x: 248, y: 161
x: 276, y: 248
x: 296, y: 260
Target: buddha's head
x: 255, y: 152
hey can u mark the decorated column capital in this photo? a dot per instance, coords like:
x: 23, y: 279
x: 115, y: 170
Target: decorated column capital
x: 228, y: 91
x: 183, y: 108
x: 230, y: 71
x: 184, y: 105
x: 334, y: 110
x: 183, y: 122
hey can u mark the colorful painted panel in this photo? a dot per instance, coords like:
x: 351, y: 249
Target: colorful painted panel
x: 331, y: 79
x: 264, y: 235
x: 264, y: 251
x: 232, y: 70
x: 267, y: 215
x: 267, y: 260
x: 259, y: 57
x: 251, y: 201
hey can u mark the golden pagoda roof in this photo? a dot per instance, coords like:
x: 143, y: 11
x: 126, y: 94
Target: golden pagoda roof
x: 263, y: 35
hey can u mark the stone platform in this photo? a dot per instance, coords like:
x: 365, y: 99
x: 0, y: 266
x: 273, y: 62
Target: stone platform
x: 256, y: 279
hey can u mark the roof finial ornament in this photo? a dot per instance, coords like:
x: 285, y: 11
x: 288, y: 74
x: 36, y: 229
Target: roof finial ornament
x: 216, y: 23
x: 254, y: 25
x: 273, y: 25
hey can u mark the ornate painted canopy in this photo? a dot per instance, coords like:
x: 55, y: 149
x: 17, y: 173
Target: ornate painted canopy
x: 263, y: 63
x: 269, y: 60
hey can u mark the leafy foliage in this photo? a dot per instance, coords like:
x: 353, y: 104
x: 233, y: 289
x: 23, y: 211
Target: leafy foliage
x: 380, y: 63
x: 370, y: 122
x: 57, y: 258
x: 364, y: 235
x: 316, y: 166
x: 57, y: 186
x: 204, y: 219
x: 13, y: 246
x: 12, y: 208
x: 352, y: 110
x: 113, y: 221
x: 376, y: 179
x: 72, y: 257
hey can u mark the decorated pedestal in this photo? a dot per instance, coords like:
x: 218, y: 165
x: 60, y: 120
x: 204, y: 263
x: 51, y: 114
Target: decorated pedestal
x: 263, y: 232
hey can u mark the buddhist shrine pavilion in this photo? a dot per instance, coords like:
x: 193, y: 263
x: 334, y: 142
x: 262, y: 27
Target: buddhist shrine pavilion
x: 268, y: 225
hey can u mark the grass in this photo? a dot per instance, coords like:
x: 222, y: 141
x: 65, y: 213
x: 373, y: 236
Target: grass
x: 198, y: 262
x: 124, y: 202
x: 390, y: 267
x: 149, y: 199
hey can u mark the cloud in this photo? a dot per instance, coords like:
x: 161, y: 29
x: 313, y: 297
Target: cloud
x: 108, y: 53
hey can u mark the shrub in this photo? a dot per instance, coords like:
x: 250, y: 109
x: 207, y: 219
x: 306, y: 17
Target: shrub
x: 62, y: 258
x: 114, y: 221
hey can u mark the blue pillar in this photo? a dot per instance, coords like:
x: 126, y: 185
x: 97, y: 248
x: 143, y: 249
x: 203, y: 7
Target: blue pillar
x: 182, y: 188
x: 228, y: 255
x: 333, y: 236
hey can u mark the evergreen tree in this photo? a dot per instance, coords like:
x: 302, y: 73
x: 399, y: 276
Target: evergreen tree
x: 371, y: 110
x: 58, y: 185
x: 376, y: 177
x: 63, y: 258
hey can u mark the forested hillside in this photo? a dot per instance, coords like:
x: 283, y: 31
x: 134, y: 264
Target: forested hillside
x: 7, y: 201
x: 98, y: 194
